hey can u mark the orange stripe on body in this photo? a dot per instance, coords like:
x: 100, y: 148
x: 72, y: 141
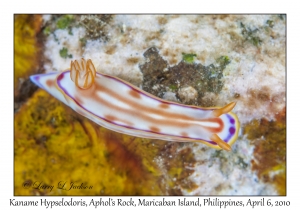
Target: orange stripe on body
x: 169, y: 118
x: 134, y: 94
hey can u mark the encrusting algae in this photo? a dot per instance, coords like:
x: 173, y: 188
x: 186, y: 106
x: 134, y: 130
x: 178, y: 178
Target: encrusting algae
x: 269, y: 138
x: 26, y: 46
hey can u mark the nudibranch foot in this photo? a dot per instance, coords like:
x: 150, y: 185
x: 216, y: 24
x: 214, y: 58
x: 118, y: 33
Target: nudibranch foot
x: 122, y: 107
x: 215, y: 138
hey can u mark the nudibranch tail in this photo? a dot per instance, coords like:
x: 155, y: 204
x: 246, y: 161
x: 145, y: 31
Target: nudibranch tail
x: 224, y: 110
x: 83, y: 75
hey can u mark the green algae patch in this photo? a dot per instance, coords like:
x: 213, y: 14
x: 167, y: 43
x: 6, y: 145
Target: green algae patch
x: 47, y: 31
x: 189, y: 58
x: 269, y: 138
x: 64, y: 53
x: 64, y: 21
x: 223, y: 60
x: 251, y: 35
x: 173, y: 87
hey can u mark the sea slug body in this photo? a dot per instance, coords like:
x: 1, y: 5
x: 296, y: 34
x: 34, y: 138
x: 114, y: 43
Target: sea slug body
x: 122, y: 107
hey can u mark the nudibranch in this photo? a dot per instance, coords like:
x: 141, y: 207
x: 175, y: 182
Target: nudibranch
x: 122, y: 107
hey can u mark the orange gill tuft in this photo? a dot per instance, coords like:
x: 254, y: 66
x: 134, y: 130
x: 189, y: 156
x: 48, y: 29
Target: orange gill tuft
x: 83, y: 75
